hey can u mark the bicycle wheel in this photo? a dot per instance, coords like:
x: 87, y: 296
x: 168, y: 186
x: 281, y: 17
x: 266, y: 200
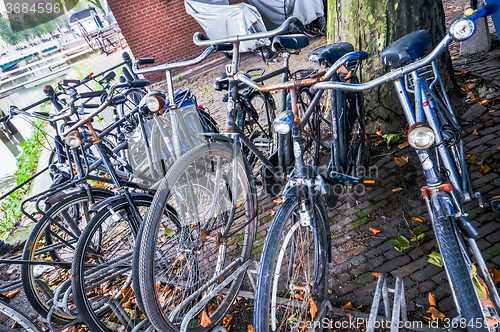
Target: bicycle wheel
x: 14, y: 320
x: 177, y: 256
x: 293, y: 272
x: 459, y: 272
x: 53, y: 239
x: 258, y: 126
x: 350, y: 116
x: 102, y: 267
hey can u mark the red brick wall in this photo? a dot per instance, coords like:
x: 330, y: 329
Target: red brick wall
x: 158, y: 28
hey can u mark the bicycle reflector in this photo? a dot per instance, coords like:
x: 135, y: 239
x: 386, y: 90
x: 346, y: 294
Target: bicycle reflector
x: 74, y: 139
x: 421, y: 136
x: 462, y: 29
x: 283, y: 122
x: 153, y: 101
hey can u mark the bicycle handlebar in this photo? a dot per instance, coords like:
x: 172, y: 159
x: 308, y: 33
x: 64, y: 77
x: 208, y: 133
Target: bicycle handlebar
x: 400, y: 72
x: 486, y: 10
x: 201, y: 40
x: 176, y: 65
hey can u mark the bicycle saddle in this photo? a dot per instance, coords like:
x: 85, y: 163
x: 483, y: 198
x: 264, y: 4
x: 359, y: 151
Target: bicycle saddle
x: 406, y: 49
x: 294, y: 42
x: 330, y: 53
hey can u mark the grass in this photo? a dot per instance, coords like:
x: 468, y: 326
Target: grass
x: 27, y: 163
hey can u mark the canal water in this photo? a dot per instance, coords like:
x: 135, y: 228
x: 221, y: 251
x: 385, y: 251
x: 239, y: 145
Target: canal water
x: 20, y: 99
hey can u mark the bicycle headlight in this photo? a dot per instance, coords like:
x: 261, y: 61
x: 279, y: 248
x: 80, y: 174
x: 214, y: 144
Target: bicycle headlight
x: 462, y: 29
x: 153, y: 101
x: 421, y: 136
x: 283, y: 122
x: 74, y: 139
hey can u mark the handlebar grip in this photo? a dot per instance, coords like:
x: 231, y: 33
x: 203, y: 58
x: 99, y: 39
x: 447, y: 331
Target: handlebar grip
x: 91, y: 94
x: 486, y: 10
x: 363, y: 55
x: 225, y: 47
x: 297, y: 24
x: 199, y: 37
x: 139, y: 83
x: 126, y: 57
x: 127, y: 75
x: 145, y: 61
x: 4, y: 118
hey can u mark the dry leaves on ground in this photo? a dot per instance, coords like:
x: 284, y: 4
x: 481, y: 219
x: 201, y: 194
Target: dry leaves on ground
x: 250, y: 328
x: 348, y: 306
x: 396, y: 190
x: 401, y: 161
x: 495, y: 274
x: 205, y: 320
x: 375, y: 231
x: 419, y: 219
x: 313, y: 310
x: 377, y: 274
x: 432, y: 299
x: 12, y: 293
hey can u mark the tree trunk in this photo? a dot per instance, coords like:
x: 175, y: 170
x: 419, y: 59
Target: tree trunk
x: 371, y: 25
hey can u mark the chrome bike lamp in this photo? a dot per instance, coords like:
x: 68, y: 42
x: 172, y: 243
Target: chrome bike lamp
x: 462, y: 29
x: 283, y: 122
x: 74, y: 139
x: 153, y: 101
x: 421, y: 136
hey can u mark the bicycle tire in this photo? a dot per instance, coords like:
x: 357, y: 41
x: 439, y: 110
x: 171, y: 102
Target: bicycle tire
x: 119, y: 237
x: 41, y: 236
x: 180, y: 237
x: 461, y: 283
x: 276, y: 247
x: 18, y: 317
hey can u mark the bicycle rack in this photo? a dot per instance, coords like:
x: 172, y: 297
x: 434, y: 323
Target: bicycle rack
x: 399, y: 308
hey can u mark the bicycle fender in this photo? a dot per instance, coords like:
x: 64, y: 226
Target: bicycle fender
x: 99, y: 205
x: 297, y: 192
x: 442, y: 205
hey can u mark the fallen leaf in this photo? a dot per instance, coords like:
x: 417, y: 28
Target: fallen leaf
x: 272, y: 213
x: 400, y: 242
x: 313, y: 309
x: 485, y: 168
x: 375, y: 231
x: 419, y: 219
x: 403, y: 145
x: 377, y: 274
x: 436, y: 314
x: 391, y: 138
x: 205, y: 320
x: 463, y: 72
x: 348, y: 306
x: 396, y: 6
x: 436, y: 259
x: 426, y: 319
x: 12, y: 293
x: 227, y: 320
x: 475, y: 132
x: 432, y: 299
x: 378, y: 142
x: 350, y: 316
x: 212, y: 309
x: 250, y: 328
x: 278, y: 201
x: 495, y: 274
x: 401, y: 161
x: 379, y: 133
x: 396, y: 190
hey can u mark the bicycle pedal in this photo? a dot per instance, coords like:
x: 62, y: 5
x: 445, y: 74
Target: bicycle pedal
x: 262, y: 143
x: 495, y: 203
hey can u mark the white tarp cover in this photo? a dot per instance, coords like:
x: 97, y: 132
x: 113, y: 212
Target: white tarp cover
x: 221, y: 20
x: 275, y: 12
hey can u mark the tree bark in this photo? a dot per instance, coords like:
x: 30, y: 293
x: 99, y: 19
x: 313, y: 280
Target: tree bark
x: 371, y: 26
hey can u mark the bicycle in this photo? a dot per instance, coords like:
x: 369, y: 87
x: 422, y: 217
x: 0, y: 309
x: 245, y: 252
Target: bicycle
x: 212, y: 190
x: 433, y: 125
x: 103, y: 254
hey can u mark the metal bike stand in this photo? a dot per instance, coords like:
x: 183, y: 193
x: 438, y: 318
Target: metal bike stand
x: 399, y: 308
x: 200, y: 305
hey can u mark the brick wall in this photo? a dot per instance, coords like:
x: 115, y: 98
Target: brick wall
x: 158, y: 28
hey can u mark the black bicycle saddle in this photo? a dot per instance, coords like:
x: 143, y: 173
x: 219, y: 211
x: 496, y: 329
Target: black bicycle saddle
x: 406, y: 49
